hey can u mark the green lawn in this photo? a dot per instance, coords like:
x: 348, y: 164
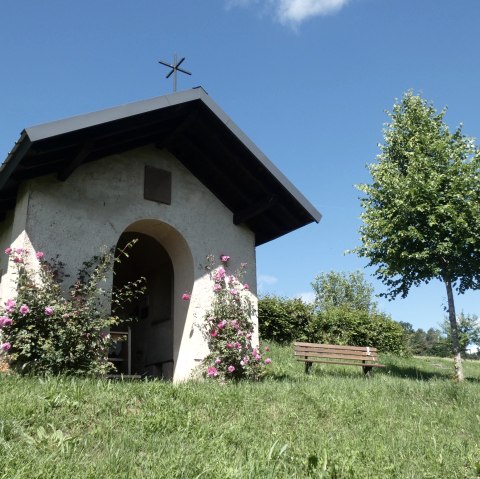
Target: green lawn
x: 407, y: 421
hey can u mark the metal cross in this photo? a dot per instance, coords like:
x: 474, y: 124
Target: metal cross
x: 174, y: 68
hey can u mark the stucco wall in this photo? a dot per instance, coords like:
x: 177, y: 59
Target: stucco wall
x: 100, y: 200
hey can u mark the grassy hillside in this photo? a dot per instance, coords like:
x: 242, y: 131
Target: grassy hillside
x: 407, y: 421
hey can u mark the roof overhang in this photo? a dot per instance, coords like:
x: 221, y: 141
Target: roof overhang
x: 195, y: 130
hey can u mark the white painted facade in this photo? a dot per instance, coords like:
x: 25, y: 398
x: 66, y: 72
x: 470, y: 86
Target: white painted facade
x: 101, y: 200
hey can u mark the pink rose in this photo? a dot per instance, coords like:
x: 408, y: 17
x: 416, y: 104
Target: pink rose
x: 216, y: 287
x: 219, y: 274
x: 212, y: 371
x: 249, y: 336
x: 231, y: 369
x: 268, y: 361
x: 229, y: 345
x: 233, y: 292
x: 19, y: 250
x: 17, y: 259
x: 218, y: 361
x: 224, y: 258
x: 40, y: 255
x: 257, y: 357
x: 246, y: 287
x: 221, y: 324
x: 5, y: 346
x: 10, y: 305
x: 24, y: 309
x: 267, y: 348
x: 213, y: 333
x: 5, y: 321
x: 186, y: 296
x: 234, y: 324
x: 48, y: 311
x: 8, y: 250
x: 237, y: 345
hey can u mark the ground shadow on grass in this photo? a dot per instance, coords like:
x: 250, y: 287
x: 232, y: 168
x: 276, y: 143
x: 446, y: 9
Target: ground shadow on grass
x: 422, y: 375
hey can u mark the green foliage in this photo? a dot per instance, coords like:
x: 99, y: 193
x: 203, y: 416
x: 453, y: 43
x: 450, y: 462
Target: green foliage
x: 229, y: 329
x: 51, y: 333
x: 353, y: 327
x: 283, y: 319
x: 340, y: 289
x: 468, y: 332
x: 422, y: 210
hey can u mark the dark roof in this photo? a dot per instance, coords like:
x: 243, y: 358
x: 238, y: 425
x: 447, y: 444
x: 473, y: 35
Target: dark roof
x: 194, y: 129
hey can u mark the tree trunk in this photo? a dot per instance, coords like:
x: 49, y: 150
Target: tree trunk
x: 457, y: 358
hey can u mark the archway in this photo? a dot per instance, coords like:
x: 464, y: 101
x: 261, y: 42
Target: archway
x: 147, y: 346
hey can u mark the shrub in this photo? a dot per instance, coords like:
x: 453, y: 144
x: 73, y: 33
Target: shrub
x: 229, y: 329
x: 48, y: 333
x: 283, y: 319
x: 353, y: 327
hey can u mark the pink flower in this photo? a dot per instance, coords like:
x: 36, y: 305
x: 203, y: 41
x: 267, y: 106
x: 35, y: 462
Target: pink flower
x: 229, y: 345
x: 216, y: 287
x: 267, y: 348
x: 239, y: 333
x: 17, y: 259
x: 40, y: 255
x: 242, y: 363
x: 213, y: 333
x: 235, y: 324
x: 212, y: 371
x: 219, y: 274
x: 186, y: 296
x: 221, y: 324
x: 24, y: 309
x: 8, y: 250
x: 245, y: 360
x: 249, y: 336
x: 231, y: 369
x: 237, y: 345
x: 48, y: 311
x: 19, y: 250
x: 10, y: 305
x: 233, y: 292
x: 218, y: 361
x: 268, y: 361
x: 5, y: 321
x: 224, y: 258
x: 257, y: 357
x: 246, y: 287
x: 5, y: 346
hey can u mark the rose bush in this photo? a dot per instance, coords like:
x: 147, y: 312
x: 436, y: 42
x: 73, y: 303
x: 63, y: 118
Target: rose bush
x: 45, y: 331
x: 229, y: 328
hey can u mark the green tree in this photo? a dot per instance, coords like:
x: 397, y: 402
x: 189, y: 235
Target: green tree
x: 422, y: 210
x: 334, y: 289
x: 468, y: 331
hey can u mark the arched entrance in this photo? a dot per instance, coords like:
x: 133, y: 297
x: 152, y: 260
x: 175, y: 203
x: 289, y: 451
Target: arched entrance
x: 147, y: 348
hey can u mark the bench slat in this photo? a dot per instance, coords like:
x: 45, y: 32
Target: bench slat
x: 335, y: 356
x: 345, y: 363
x: 335, y: 346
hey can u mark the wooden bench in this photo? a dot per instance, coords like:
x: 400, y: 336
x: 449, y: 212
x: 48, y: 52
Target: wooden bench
x: 364, y: 356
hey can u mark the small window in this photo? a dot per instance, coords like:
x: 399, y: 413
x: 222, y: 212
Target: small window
x: 158, y: 185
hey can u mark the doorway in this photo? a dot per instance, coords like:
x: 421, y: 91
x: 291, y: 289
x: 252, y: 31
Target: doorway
x: 145, y: 345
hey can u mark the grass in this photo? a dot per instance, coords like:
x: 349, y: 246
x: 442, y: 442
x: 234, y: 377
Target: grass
x: 407, y: 421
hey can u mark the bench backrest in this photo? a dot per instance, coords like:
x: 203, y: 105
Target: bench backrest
x: 332, y: 351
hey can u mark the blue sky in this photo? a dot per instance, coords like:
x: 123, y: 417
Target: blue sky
x: 307, y: 80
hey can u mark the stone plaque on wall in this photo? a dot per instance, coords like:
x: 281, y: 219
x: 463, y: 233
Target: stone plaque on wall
x: 158, y: 185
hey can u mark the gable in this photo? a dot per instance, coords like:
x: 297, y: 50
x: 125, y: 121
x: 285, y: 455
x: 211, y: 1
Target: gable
x: 195, y: 130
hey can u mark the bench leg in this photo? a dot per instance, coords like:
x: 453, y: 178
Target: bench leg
x: 367, y: 370
x: 308, y: 367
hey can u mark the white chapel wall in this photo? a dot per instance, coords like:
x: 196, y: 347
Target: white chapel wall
x: 76, y: 218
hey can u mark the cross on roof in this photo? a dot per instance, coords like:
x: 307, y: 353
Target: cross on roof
x: 175, y: 66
